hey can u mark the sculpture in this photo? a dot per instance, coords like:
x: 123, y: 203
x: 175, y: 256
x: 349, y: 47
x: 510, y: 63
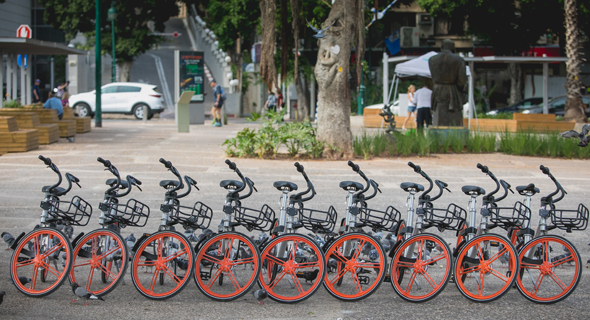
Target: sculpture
x: 449, y: 77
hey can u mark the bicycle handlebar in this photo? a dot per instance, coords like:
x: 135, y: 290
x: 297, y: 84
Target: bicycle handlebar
x: 370, y: 182
x: 245, y: 181
x: 298, y: 196
x: 549, y: 197
x: 424, y: 194
x: 483, y: 168
x: 175, y: 172
x: 54, y: 168
x: 506, y: 187
x: 416, y: 168
x: 487, y: 171
x: 167, y: 164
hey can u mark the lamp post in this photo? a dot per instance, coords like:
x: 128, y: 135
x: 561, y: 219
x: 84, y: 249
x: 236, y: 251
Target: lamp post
x: 98, y: 71
x: 111, y: 16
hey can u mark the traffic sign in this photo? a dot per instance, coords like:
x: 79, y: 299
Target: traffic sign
x: 19, y: 60
x: 175, y: 34
x: 24, y: 31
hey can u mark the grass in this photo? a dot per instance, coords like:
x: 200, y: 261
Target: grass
x: 414, y: 143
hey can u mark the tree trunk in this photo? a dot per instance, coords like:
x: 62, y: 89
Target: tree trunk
x: 573, y: 105
x: 124, y: 70
x: 302, y: 98
x: 268, y: 70
x: 515, y: 83
x: 331, y: 72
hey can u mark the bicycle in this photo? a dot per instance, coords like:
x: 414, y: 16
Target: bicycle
x: 542, y: 255
x: 169, y: 253
x: 34, y: 253
x: 353, y: 251
x: 423, y: 256
x: 479, y: 253
x: 231, y: 256
x: 97, y: 252
x: 287, y: 257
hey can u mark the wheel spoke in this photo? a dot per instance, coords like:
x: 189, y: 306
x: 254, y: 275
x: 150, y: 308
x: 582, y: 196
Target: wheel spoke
x: 211, y: 259
x: 176, y: 255
x: 538, y: 284
x: 411, y: 282
x: 498, y: 275
x: 293, y: 250
x: 561, y: 261
x: 340, y: 274
x: 146, y: 263
x: 357, y: 283
x: 482, y: 276
x: 358, y: 250
x: 51, y: 251
x: 429, y: 279
x: 297, y: 283
x: 276, y: 280
x: 498, y: 254
x: 51, y: 269
x: 558, y: 281
x: 233, y: 280
x: 468, y: 270
x: 243, y: 261
x: 435, y: 259
x: 306, y: 265
x: 213, y: 279
x: 112, y: 250
x: 275, y: 260
x: 154, y: 279
x: 90, y: 276
x: 171, y: 274
x: 228, y: 248
x: 369, y: 265
x: 24, y: 263
x: 107, y: 272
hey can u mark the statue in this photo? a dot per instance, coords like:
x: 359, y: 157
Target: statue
x: 388, y: 117
x: 449, y: 77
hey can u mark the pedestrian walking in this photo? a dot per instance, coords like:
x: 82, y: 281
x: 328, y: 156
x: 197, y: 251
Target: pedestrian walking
x: 411, y: 104
x: 37, y: 91
x: 271, y: 101
x: 218, y: 99
x: 422, y: 100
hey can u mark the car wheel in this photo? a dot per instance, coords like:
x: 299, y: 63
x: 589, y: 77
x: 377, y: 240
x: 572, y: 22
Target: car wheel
x: 138, y: 111
x: 83, y: 110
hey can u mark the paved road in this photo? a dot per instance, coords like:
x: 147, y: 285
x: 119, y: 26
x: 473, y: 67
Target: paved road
x: 135, y: 149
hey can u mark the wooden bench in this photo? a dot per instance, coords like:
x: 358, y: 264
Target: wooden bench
x: 14, y: 140
x: 67, y: 128
x: 82, y: 123
x: 48, y: 133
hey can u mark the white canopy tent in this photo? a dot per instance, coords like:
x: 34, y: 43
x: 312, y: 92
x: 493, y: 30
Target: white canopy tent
x: 416, y: 67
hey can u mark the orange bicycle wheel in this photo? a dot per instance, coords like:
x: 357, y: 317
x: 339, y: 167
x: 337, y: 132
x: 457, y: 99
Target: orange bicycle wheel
x: 293, y: 268
x: 361, y: 263
x: 101, y: 259
x: 421, y: 267
x: 39, y: 252
x: 162, y: 265
x: 550, y: 269
x: 486, y: 268
x: 227, y: 266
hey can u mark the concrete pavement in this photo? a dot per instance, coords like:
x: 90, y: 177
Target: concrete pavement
x: 135, y: 149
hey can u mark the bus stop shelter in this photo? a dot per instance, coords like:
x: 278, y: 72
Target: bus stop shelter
x: 12, y: 47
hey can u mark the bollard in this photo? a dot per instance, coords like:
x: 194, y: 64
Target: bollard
x: 145, y: 113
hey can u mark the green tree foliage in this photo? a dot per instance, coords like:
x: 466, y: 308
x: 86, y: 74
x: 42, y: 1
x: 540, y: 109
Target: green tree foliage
x: 132, y: 33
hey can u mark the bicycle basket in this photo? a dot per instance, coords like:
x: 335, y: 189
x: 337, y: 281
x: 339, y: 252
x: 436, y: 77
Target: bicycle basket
x: 133, y: 213
x: 379, y: 220
x: 199, y: 217
x: 445, y: 219
x: 318, y: 221
x: 507, y: 217
x: 253, y: 219
x: 570, y: 220
x: 77, y: 214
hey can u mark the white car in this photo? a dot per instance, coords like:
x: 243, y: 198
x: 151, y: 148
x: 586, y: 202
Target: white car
x: 120, y: 97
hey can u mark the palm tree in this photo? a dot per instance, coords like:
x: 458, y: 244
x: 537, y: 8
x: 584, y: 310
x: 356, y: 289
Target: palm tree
x: 574, y: 109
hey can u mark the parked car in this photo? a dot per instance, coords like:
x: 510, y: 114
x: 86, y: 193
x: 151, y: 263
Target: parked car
x: 120, y: 97
x: 557, y: 106
x: 521, y: 105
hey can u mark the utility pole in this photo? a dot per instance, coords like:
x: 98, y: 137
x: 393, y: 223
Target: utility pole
x: 98, y: 68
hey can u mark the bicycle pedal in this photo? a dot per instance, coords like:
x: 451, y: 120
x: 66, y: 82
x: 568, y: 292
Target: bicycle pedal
x: 494, y: 244
x: 387, y: 278
x: 364, y: 279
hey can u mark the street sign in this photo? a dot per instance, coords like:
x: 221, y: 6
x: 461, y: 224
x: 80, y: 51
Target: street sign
x: 192, y: 74
x: 175, y: 34
x: 19, y: 60
x: 24, y: 31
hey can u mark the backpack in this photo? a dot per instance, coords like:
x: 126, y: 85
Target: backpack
x: 223, y: 95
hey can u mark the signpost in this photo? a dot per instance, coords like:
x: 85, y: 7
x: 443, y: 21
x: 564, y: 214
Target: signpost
x: 183, y: 113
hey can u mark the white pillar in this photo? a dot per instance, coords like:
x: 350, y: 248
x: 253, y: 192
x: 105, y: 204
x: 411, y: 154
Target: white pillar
x: 471, y: 85
x: 1, y: 77
x: 177, y: 84
x: 14, y: 79
x: 312, y: 97
x: 9, y: 76
x: 385, y: 78
x: 545, y: 87
x: 28, y: 93
x: 23, y: 100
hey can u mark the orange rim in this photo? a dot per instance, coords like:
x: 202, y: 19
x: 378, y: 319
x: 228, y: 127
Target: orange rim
x: 297, y: 274
x: 424, y: 270
x: 355, y: 278
x: 485, y: 268
x: 162, y: 265
x: 34, y: 255
x: 92, y: 268
x: 228, y: 265
x: 551, y: 271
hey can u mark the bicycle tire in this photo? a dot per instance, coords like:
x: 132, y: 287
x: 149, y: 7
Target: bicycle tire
x: 169, y: 247
x: 44, y: 247
x: 100, y: 260
x: 542, y: 265
x: 338, y: 284
x: 309, y: 263
x: 483, y: 262
x: 213, y: 264
x: 435, y: 270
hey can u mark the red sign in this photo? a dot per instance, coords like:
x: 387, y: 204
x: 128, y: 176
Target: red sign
x: 175, y: 34
x: 24, y: 31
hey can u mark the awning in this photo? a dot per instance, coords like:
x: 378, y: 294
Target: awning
x: 35, y: 47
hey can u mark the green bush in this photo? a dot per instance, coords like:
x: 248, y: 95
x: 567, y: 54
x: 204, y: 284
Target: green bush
x: 13, y: 104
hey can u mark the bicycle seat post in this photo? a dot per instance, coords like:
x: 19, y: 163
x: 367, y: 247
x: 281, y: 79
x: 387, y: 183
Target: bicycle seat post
x: 284, y: 221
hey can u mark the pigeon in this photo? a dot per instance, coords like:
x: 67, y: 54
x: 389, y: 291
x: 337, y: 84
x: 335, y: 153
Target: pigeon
x: 8, y: 239
x: 260, y: 295
x: 373, y: 255
x: 130, y: 241
x: 24, y: 280
x: 378, y: 15
x: 190, y: 235
x: 584, y: 140
x: 181, y: 263
x: 69, y: 231
x: 319, y: 33
x: 2, y: 294
x: 83, y: 293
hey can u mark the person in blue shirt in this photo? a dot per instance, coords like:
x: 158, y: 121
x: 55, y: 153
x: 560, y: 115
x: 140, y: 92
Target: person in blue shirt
x: 54, y: 103
x: 36, y: 91
x: 217, y: 103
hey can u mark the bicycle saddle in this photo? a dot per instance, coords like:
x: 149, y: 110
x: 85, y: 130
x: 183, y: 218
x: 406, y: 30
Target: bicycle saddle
x: 469, y: 190
x: 168, y: 184
x: 58, y: 191
x: 410, y: 186
x: 526, y: 189
x: 231, y: 184
x: 285, y: 184
x: 347, y: 185
x: 113, y: 182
